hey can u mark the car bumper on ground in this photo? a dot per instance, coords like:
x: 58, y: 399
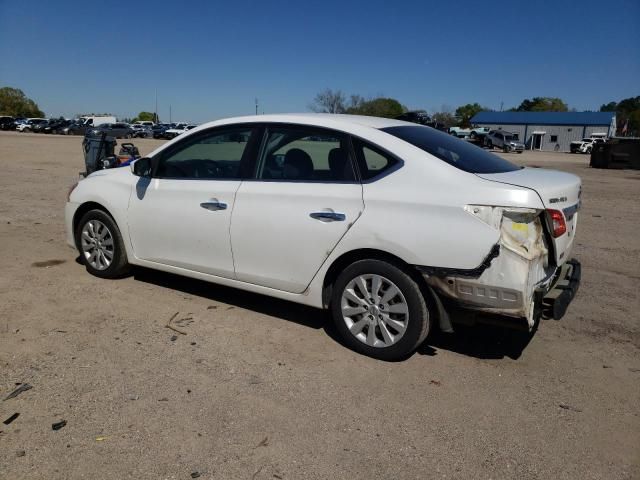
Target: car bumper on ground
x: 556, y: 300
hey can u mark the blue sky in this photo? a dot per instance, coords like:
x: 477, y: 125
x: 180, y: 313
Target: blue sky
x: 210, y: 60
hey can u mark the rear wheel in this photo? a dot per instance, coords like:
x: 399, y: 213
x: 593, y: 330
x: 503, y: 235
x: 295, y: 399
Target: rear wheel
x: 489, y: 144
x: 100, y: 245
x: 379, y: 310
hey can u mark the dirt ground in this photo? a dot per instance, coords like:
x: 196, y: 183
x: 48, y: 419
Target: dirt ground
x: 261, y: 389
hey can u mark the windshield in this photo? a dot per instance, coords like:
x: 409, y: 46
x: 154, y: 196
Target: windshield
x: 508, y: 138
x: 458, y: 153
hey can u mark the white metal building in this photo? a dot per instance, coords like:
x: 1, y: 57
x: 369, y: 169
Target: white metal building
x: 549, y: 131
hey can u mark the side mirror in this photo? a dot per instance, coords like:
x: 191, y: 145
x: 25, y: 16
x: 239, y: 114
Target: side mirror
x: 143, y: 167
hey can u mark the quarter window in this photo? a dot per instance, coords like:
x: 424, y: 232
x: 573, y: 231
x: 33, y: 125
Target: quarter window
x: 554, y: 138
x: 305, y: 154
x: 216, y: 155
x: 373, y: 161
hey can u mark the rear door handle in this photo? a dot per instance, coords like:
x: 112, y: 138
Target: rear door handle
x: 328, y: 216
x: 214, y: 205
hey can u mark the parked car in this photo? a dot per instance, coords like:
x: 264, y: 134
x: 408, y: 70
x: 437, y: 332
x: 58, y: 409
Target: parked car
x: 56, y: 126
x: 178, y: 130
x: 48, y: 126
x: 95, y: 121
x: 585, y: 145
x: 29, y: 124
x: 472, y: 132
x: 144, y: 123
x: 159, y: 129
x: 394, y: 227
x: 7, y: 123
x: 117, y: 130
x: 416, y: 116
x: 507, y: 141
x: 141, y: 131
x: 75, y: 128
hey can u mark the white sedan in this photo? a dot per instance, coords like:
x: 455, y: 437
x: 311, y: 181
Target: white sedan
x: 396, y: 228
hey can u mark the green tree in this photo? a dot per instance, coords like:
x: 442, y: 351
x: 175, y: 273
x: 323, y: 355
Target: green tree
x: 609, y: 107
x: 145, y: 117
x: 15, y: 103
x: 378, y: 107
x: 627, y: 110
x: 466, y: 112
x: 542, y: 104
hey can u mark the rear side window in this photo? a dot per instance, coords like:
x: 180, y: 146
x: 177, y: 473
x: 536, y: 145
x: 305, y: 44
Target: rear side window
x: 305, y: 154
x: 372, y: 161
x: 458, y: 153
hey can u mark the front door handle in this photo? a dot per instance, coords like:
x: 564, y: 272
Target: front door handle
x: 214, y: 205
x: 328, y: 216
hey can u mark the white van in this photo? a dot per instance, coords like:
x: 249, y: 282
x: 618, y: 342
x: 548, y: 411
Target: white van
x: 96, y: 121
x: 144, y: 123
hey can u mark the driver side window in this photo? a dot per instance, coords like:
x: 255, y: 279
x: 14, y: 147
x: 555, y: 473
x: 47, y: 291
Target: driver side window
x: 216, y: 155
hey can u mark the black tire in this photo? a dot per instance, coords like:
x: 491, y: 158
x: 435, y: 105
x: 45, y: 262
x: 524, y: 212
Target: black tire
x: 473, y: 135
x: 119, y: 266
x: 418, y: 320
x: 489, y: 144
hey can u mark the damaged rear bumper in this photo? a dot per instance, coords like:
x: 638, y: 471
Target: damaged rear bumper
x: 554, y: 302
x: 516, y: 284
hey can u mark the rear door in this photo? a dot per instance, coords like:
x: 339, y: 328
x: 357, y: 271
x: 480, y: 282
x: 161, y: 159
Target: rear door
x: 181, y: 216
x: 303, y: 199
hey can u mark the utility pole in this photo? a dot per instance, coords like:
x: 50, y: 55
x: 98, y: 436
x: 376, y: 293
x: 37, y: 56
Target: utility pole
x: 169, y: 113
x: 501, y: 105
x: 256, y: 105
x: 155, y: 114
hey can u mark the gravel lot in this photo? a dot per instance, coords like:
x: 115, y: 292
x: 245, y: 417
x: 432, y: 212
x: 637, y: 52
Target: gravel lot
x: 260, y: 389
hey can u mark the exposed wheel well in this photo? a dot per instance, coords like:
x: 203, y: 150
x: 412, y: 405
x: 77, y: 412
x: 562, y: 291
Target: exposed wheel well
x: 84, y: 208
x: 348, y: 258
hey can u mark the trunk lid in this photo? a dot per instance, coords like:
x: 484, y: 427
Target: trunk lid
x: 558, y: 191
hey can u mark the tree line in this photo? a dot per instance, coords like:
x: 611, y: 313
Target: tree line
x: 15, y: 103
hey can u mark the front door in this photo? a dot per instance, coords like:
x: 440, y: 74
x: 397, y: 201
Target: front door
x: 304, y: 198
x: 536, y: 141
x: 181, y: 216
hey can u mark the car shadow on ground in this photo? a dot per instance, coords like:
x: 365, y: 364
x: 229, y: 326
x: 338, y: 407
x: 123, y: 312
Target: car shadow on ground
x: 485, y: 342
x: 480, y: 341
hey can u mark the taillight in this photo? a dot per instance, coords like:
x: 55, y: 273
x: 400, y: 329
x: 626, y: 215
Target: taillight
x: 558, y: 225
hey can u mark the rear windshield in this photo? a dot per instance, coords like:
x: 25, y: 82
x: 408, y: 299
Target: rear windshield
x: 459, y: 153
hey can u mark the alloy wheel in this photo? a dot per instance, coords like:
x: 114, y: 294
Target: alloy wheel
x: 374, y: 310
x: 97, y: 244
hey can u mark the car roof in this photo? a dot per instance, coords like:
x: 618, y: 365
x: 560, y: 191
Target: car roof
x: 328, y: 120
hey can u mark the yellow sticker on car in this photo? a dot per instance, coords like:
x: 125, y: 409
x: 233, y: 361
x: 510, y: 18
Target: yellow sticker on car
x: 520, y: 227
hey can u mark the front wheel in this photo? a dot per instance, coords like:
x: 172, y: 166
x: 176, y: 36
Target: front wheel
x: 379, y: 310
x: 100, y: 245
